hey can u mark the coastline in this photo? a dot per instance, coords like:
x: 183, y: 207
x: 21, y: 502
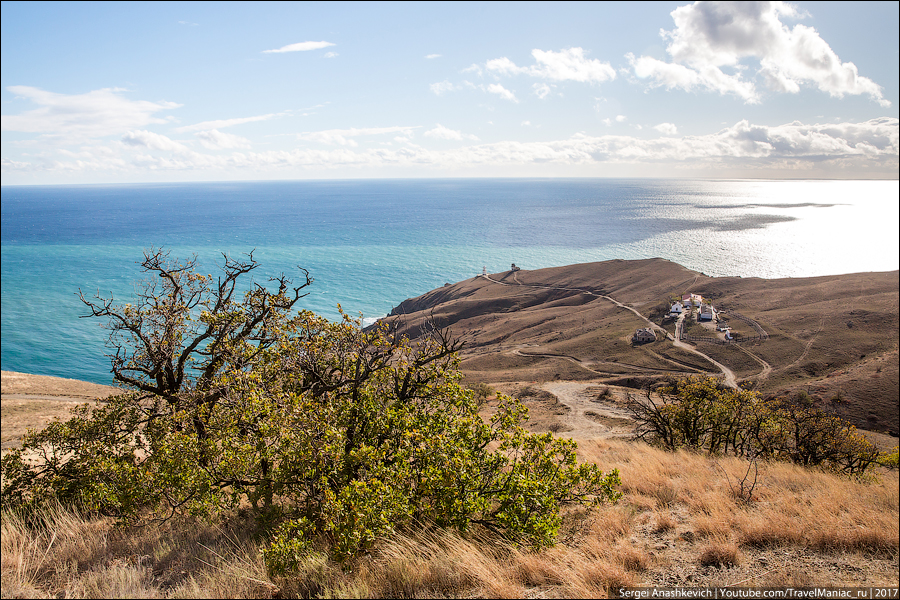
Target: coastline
x: 32, y: 401
x: 14, y: 383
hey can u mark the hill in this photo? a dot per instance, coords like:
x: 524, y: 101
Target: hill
x: 834, y: 337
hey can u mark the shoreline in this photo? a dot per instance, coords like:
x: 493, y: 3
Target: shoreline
x: 32, y: 401
x: 27, y: 384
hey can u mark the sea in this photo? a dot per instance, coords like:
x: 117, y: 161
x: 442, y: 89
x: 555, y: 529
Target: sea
x: 370, y: 244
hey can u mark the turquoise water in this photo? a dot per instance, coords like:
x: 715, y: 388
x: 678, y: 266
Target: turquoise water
x: 371, y: 244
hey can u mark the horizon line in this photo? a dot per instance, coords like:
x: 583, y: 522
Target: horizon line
x: 474, y: 177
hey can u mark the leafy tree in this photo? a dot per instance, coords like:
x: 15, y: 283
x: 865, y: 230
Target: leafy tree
x: 703, y: 414
x: 325, y: 430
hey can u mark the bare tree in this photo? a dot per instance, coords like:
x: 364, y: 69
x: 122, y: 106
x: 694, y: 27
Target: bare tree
x: 183, y: 326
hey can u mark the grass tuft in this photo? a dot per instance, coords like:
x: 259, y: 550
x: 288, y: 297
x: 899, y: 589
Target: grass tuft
x: 720, y: 554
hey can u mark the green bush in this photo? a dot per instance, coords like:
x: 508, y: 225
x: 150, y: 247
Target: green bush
x: 327, y: 431
x: 890, y: 459
x: 481, y: 390
x: 701, y: 413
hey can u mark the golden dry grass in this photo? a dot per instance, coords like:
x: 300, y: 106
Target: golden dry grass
x: 678, y: 524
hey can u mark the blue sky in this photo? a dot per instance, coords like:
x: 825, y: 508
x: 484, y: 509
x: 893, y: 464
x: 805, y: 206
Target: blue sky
x: 107, y: 92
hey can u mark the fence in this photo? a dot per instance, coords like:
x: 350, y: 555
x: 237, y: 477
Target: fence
x: 760, y: 336
x: 712, y: 340
x: 761, y: 333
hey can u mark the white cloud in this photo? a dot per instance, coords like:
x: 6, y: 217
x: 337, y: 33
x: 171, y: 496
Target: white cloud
x: 666, y: 128
x: 502, y: 66
x: 215, y: 139
x: 431, y: 56
x: 526, y: 123
x: 331, y: 54
x: 607, y: 121
x: 671, y: 75
x: 300, y: 47
x: 710, y: 36
x: 444, y: 133
x: 95, y: 114
x: 496, y: 88
x: 344, y: 137
x: 154, y: 141
x: 566, y: 65
x: 621, y: 118
x: 442, y: 87
x: 222, y: 123
x: 571, y: 65
x: 830, y: 148
x: 541, y: 90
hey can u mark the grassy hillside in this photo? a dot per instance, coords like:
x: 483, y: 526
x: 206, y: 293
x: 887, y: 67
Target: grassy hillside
x: 834, y: 337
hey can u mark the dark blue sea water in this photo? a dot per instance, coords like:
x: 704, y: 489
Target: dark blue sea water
x: 371, y: 244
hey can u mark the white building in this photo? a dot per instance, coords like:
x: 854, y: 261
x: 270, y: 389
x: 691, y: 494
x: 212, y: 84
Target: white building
x: 676, y: 309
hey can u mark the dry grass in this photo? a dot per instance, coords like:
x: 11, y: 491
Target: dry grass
x: 77, y: 557
x: 719, y: 553
x: 678, y: 524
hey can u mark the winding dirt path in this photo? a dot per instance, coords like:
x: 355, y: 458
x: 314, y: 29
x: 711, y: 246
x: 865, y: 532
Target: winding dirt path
x: 766, y: 367
x: 577, y: 361
x: 809, y: 344
x: 727, y: 374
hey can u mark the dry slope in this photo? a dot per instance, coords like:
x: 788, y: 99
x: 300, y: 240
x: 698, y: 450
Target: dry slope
x: 835, y: 337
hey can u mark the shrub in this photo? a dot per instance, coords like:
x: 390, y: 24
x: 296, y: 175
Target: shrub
x: 482, y: 391
x: 890, y: 459
x: 332, y: 433
x: 702, y: 414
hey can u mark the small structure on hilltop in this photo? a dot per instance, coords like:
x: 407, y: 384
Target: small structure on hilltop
x: 676, y: 309
x: 706, y: 312
x: 514, y: 268
x: 643, y: 335
x: 484, y: 271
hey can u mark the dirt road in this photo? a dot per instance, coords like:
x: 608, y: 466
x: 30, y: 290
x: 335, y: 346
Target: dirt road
x: 591, y: 417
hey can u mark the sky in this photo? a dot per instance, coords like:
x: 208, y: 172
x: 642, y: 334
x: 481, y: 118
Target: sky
x: 106, y: 92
